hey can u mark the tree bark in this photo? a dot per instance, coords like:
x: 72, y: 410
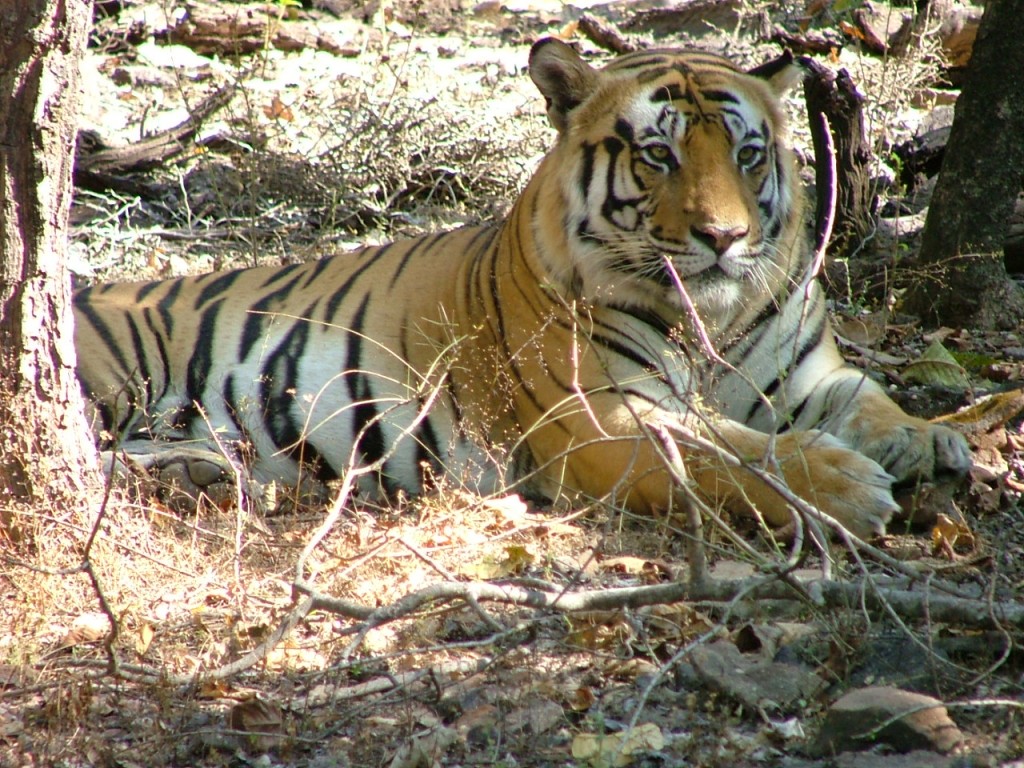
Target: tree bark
x: 46, y: 450
x: 964, y: 281
x: 835, y: 96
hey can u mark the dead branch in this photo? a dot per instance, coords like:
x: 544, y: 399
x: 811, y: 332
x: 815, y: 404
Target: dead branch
x: 563, y: 602
x: 826, y: 189
x: 871, y: 595
x: 695, y: 554
x: 819, y: 42
x: 605, y: 34
x: 368, y: 688
x: 260, y: 652
x: 909, y: 603
x: 100, y: 169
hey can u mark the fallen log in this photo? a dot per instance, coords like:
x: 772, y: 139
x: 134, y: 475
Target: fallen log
x: 605, y: 34
x: 104, y: 168
x: 232, y: 30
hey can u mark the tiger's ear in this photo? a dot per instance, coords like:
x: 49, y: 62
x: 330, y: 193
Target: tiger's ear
x: 781, y: 73
x: 562, y: 76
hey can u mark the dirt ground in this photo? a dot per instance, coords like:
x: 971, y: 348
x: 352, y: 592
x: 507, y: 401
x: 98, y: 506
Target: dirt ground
x: 383, y: 120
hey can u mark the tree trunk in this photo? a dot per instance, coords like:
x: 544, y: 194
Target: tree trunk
x: 836, y: 97
x: 964, y: 281
x: 46, y: 450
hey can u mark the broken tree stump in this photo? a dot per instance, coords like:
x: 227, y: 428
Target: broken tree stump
x: 835, y: 96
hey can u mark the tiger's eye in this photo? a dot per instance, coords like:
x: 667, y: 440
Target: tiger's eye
x: 659, y: 156
x: 659, y: 153
x: 748, y: 155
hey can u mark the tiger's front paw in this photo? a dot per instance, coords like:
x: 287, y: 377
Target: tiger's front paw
x: 181, y: 476
x: 915, y: 449
x: 842, y: 483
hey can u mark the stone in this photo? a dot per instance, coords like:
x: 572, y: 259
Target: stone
x: 755, y: 679
x: 852, y: 721
x: 872, y: 759
x: 894, y: 660
x: 916, y: 759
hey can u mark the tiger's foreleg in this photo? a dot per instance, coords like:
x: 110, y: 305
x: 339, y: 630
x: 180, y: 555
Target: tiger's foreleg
x: 613, y: 454
x: 860, y: 413
x: 819, y: 468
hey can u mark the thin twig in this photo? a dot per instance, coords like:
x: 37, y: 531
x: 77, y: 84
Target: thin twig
x: 695, y: 555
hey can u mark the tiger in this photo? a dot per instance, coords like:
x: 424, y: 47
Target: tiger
x: 653, y: 278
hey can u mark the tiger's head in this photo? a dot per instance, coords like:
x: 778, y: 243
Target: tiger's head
x: 669, y: 157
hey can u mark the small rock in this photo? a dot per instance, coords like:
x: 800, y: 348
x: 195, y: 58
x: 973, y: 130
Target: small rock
x: 478, y: 726
x: 851, y: 721
x: 872, y: 759
x: 754, y: 679
x: 892, y: 659
x: 916, y: 759
x: 539, y: 717
x: 883, y: 30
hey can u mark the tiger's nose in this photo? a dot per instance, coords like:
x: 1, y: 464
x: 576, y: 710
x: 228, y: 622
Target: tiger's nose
x: 718, y: 239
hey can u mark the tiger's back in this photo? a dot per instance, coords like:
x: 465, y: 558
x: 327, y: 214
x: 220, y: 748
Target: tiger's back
x: 302, y: 362
x: 667, y: 218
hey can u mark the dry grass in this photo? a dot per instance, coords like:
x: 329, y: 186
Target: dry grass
x: 190, y: 595
x: 366, y: 158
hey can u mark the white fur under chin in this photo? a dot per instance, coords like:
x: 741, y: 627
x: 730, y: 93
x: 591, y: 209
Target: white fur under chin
x: 717, y: 302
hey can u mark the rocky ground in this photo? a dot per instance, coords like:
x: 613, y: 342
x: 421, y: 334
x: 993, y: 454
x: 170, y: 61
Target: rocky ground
x: 445, y: 641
